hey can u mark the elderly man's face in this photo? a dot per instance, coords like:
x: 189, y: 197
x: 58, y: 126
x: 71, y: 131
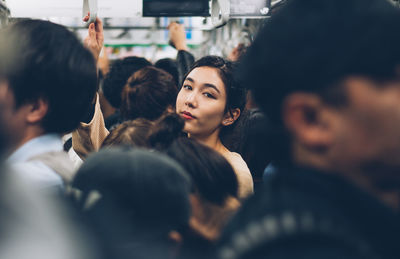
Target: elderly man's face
x: 367, y: 131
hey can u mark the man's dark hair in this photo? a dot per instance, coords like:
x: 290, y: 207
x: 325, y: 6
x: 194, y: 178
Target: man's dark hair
x: 170, y: 66
x: 43, y: 60
x: 139, y: 181
x: 148, y: 94
x: 313, y: 46
x: 119, y: 73
x: 144, y: 196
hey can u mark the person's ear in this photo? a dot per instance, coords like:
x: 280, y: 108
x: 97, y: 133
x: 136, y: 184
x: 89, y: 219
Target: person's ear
x: 231, y: 117
x: 37, y: 110
x: 304, y: 116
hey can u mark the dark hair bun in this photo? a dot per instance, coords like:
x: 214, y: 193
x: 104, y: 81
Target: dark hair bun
x: 166, y: 129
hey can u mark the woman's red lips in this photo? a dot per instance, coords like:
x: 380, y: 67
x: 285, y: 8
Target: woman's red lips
x: 188, y: 116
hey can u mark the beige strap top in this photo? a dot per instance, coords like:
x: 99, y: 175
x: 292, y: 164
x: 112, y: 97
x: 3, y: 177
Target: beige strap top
x: 245, y: 180
x: 88, y: 137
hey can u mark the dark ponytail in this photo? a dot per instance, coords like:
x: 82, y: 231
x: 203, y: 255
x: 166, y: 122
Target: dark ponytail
x: 212, y: 175
x: 166, y: 130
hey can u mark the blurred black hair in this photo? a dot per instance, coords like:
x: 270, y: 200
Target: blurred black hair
x: 141, y: 197
x: 119, y: 73
x: 212, y: 175
x: 149, y: 190
x: 170, y: 66
x: 43, y: 60
x: 148, y: 94
x: 312, y: 46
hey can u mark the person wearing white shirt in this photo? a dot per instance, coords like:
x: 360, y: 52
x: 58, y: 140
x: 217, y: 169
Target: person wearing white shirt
x: 22, y: 163
x: 48, y: 80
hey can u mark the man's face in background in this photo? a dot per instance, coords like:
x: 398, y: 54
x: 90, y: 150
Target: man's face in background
x: 367, y: 132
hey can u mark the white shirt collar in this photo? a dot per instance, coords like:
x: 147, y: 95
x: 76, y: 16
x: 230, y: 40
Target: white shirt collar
x: 39, y: 145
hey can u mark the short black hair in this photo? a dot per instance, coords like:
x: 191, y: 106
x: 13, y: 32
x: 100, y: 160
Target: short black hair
x: 313, y: 45
x: 40, y: 59
x: 170, y: 66
x: 148, y: 93
x: 119, y: 73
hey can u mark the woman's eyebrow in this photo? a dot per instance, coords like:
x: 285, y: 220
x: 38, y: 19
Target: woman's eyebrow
x: 212, y: 86
x: 189, y: 79
x: 205, y: 85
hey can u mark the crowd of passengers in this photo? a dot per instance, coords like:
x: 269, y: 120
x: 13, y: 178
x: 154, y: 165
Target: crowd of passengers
x: 289, y: 148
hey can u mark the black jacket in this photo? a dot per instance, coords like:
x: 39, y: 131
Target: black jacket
x: 184, y: 61
x: 302, y: 213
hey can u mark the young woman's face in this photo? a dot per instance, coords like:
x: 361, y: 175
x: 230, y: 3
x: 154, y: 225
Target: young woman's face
x: 201, y: 101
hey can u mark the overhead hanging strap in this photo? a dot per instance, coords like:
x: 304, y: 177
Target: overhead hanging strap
x: 4, y: 13
x: 90, y: 6
x: 220, y: 12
